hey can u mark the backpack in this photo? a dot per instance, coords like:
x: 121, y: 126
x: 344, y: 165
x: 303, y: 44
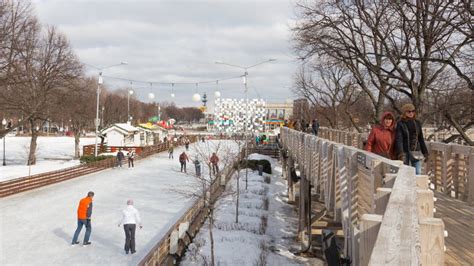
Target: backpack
x: 182, y: 157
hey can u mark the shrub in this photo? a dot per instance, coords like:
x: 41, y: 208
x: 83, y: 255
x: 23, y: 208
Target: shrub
x: 253, y: 164
x: 91, y: 158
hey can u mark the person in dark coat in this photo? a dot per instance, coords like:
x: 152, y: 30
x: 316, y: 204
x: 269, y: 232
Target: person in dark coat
x: 214, y: 161
x: 183, y: 158
x: 120, y: 158
x: 84, y: 213
x: 381, y: 139
x: 170, y: 152
x: 315, y: 126
x: 409, y: 139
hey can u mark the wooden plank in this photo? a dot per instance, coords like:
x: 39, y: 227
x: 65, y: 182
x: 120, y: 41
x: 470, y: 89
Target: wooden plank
x: 470, y: 180
x: 432, y: 241
x: 381, y: 199
x: 397, y: 240
x: 425, y: 202
x: 422, y: 181
x: 369, y: 229
x: 389, y: 180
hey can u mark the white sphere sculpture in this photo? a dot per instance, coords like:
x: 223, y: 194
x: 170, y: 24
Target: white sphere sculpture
x: 151, y: 96
x: 196, y: 97
x: 217, y: 94
x: 172, y: 95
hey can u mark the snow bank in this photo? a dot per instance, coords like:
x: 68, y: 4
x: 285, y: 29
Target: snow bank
x: 52, y: 153
x: 267, y: 226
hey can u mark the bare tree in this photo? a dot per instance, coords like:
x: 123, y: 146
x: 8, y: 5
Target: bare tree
x: 18, y: 31
x: 76, y: 106
x: 396, y: 49
x: 49, y: 66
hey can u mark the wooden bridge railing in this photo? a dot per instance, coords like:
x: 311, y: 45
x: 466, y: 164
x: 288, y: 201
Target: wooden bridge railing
x: 450, y: 166
x: 385, y: 210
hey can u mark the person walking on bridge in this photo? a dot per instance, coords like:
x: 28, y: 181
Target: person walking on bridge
x: 84, y: 213
x: 410, y: 143
x: 381, y: 139
x: 130, y: 219
x: 315, y: 126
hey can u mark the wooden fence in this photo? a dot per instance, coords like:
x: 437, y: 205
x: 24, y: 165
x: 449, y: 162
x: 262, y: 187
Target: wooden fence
x: 174, y: 243
x: 385, y: 210
x: 450, y: 166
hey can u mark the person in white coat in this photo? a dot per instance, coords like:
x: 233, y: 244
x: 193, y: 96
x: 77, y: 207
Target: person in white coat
x: 130, y: 219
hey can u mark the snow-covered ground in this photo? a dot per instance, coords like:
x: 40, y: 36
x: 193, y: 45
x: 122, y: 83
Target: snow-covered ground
x: 36, y: 227
x: 266, y: 230
x: 52, y: 153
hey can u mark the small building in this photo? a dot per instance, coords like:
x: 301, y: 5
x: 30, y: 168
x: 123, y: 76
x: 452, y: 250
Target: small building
x: 155, y: 133
x: 122, y: 134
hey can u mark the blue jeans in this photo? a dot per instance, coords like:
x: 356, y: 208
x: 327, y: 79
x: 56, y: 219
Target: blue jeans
x: 80, y: 223
x: 412, y: 162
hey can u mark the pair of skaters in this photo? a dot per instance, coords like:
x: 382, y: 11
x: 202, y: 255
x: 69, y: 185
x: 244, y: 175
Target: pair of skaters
x: 130, y: 219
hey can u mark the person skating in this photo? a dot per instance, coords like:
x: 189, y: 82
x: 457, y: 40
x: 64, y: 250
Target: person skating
x: 120, y: 158
x: 183, y: 158
x: 84, y: 213
x: 197, y: 167
x: 186, y: 144
x: 410, y: 144
x: 130, y: 219
x: 131, y: 158
x: 171, y: 151
x: 214, y: 162
x: 381, y: 139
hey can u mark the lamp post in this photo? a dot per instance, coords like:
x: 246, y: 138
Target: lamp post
x: 130, y: 92
x: 4, y: 124
x: 244, y: 76
x: 99, y: 82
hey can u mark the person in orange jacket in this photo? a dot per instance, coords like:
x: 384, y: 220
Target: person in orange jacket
x: 84, y: 213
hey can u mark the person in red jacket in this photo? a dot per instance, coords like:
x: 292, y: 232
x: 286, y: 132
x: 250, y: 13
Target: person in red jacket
x: 84, y: 213
x: 381, y: 139
x: 214, y: 161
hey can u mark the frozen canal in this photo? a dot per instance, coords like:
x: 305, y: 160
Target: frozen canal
x: 36, y: 227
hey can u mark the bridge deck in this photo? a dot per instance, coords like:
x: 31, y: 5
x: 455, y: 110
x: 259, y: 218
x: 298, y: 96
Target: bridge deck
x: 458, y: 218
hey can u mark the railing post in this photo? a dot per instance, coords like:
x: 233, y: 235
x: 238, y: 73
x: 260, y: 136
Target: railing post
x: 432, y: 241
x: 470, y: 179
x: 369, y: 229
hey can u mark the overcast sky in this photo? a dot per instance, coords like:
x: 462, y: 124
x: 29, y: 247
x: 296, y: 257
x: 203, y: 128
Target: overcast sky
x: 179, y: 41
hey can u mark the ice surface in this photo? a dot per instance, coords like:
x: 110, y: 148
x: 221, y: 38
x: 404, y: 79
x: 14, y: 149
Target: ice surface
x: 36, y: 227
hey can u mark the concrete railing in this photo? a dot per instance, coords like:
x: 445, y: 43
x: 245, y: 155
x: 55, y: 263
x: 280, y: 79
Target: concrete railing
x: 385, y: 210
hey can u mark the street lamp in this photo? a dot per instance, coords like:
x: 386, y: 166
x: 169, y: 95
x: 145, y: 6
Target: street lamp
x: 100, y: 81
x: 244, y: 76
x: 130, y: 92
x: 4, y: 124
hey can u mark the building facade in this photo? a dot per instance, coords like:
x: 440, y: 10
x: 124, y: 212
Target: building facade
x: 277, y: 114
x: 238, y: 115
